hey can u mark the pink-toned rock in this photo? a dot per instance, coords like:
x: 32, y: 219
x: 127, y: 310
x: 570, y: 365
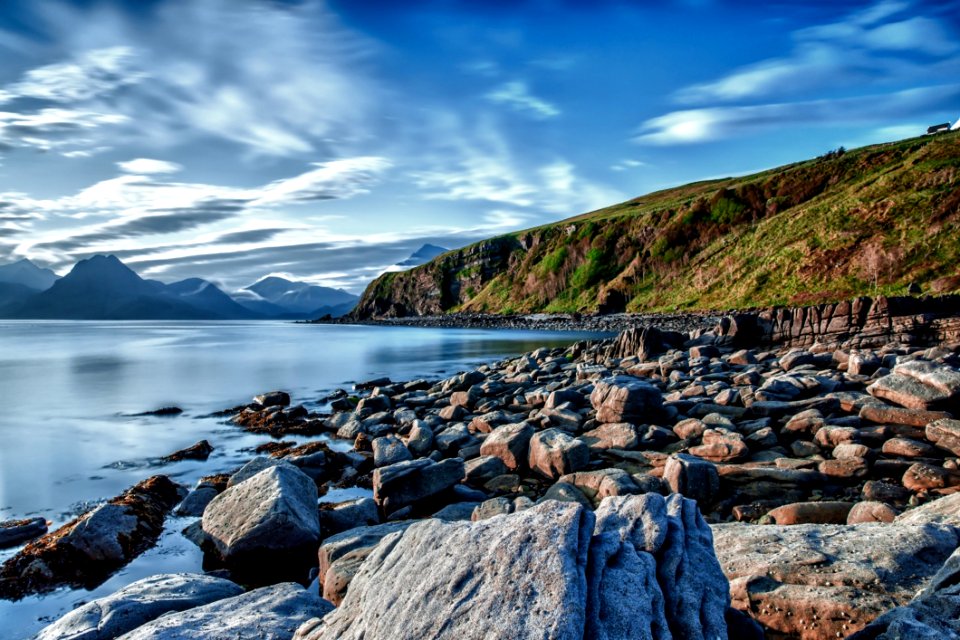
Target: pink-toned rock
x: 846, y: 450
x: 886, y: 414
x: 689, y: 428
x: 907, y: 448
x: 925, y: 477
x: 806, y: 422
x: 720, y: 445
x: 811, y: 513
x: 831, y: 436
x: 555, y: 453
x: 845, y: 469
x: 625, y: 399
x: 510, y: 443
x: 864, y: 512
x: 945, y: 433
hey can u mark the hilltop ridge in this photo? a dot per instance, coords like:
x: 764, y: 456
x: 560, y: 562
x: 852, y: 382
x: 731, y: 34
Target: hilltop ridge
x: 862, y: 222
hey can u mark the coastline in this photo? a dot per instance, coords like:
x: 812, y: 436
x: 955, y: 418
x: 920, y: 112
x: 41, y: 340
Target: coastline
x: 608, y: 323
x: 763, y: 438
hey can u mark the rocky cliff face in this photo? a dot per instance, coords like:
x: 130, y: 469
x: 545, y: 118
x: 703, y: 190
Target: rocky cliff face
x: 862, y: 322
x: 440, y: 285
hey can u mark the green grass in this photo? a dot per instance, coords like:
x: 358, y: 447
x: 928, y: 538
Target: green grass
x: 868, y: 220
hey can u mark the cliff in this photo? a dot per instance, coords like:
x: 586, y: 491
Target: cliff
x: 871, y: 221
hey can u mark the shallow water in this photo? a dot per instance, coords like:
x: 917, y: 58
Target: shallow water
x: 67, y: 439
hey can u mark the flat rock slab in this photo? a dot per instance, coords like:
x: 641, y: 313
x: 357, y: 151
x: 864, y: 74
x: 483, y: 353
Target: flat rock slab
x: 827, y: 581
x: 269, y: 613
x: 944, y: 510
x: 404, y: 483
x: 137, y: 604
x: 13, y: 532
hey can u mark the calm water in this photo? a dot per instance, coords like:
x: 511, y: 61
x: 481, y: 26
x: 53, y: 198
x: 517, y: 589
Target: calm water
x: 67, y: 439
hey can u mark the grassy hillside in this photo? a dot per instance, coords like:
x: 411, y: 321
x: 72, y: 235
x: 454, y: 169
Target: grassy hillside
x: 867, y: 221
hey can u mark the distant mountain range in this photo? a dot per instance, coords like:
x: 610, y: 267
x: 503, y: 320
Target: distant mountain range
x: 103, y: 288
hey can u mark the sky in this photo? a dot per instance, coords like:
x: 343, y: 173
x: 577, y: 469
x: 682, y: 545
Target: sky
x: 328, y: 140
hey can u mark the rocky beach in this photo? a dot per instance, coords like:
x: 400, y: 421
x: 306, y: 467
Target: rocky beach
x: 780, y: 474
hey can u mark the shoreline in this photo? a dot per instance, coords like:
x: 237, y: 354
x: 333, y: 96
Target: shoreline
x: 762, y: 438
x: 609, y: 323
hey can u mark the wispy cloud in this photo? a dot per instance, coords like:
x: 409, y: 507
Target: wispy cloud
x: 276, y: 79
x: 875, y: 67
x: 517, y: 96
x: 703, y: 125
x: 148, y: 166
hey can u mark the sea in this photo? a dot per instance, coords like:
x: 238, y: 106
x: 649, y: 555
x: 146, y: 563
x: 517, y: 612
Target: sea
x: 71, y: 392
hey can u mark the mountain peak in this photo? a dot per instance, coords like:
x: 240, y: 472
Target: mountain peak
x: 28, y: 274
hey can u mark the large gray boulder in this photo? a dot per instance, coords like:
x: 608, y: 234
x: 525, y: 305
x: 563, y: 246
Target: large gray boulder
x: 653, y: 573
x: 137, y: 604
x: 268, y: 520
x: 625, y: 399
x: 839, y: 577
x: 518, y: 576
x: 643, y: 567
x: 404, y: 483
x: 269, y: 613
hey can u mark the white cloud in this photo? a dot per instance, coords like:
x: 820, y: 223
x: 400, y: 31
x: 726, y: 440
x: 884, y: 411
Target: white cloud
x: 517, y: 96
x: 48, y: 129
x: 869, y: 46
x: 148, y: 166
x: 277, y: 79
x: 628, y: 163
x: 703, y: 125
x: 335, y: 179
x: 88, y: 75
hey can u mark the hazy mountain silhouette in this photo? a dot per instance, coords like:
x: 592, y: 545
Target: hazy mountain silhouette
x: 301, y: 298
x: 24, y: 272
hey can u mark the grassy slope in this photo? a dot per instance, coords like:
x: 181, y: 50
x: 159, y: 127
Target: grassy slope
x: 869, y: 221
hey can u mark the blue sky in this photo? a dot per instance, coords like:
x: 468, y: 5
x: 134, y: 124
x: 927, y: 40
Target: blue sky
x: 230, y: 139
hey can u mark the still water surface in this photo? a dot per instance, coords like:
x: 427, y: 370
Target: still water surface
x: 68, y: 389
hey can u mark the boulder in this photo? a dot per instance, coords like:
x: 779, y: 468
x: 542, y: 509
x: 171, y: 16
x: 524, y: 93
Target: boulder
x: 510, y: 443
x: 526, y: 575
x: 614, y: 435
x: 272, y: 399
x: 405, y: 483
x: 420, y: 439
x: 604, y: 483
x: 907, y: 448
x: 268, y: 613
x: 389, y: 450
x: 339, y: 545
x: 694, y: 478
x: 348, y: 515
x: 137, y: 604
x: 864, y: 512
x: 13, y: 532
x: 721, y: 445
x: 886, y: 414
x: 483, y: 469
x: 554, y: 453
x: 85, y: 551
x: 198, y: 451
x: 811, y: 513
x: 908, y: 392
x: 625, y: 399
x: 652, y: 568
x: 267, y: 524
x: 922, y: 477
x: 516, y: 576
x: 945, y: 433
x: 826, y: 581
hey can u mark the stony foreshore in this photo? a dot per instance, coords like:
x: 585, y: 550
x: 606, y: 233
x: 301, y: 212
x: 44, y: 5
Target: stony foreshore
x: 603, y: 323
x: 661, y: 484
